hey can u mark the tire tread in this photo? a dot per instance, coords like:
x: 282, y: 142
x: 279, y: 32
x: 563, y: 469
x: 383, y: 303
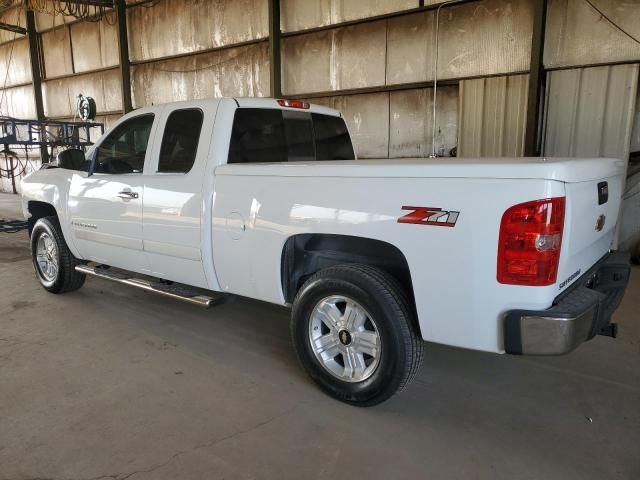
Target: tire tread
x: 70, y: 279
x: 392, y: 293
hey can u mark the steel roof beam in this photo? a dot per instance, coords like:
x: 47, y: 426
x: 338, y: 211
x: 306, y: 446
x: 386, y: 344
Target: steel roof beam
x: 13, y: 28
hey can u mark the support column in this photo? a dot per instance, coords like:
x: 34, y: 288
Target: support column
x: 125, y: 64
x: 274, y: 49
x: 536, y: 80
x: 36, y: 74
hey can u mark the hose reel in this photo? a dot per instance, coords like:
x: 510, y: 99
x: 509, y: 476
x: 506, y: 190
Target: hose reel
x: 86, y: 108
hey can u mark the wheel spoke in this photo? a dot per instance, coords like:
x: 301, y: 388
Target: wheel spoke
x: 345, y: 341
x: 354, y: 364
x: 47, y: 257
x: 53, y: 269
x: 327, y: 344
x: 354, y: 317
x: 329, y: 314
x: 366, y: 342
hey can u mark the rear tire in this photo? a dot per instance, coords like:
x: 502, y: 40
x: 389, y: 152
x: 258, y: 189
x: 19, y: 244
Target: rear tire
x: 354, y: 332
x: 52, y: 260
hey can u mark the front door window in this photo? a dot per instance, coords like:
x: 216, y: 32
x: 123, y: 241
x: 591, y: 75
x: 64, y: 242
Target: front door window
x: 124, y: 149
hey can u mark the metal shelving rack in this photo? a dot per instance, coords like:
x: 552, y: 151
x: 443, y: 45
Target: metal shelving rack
x: 18, y: 135
x: 48, y: 133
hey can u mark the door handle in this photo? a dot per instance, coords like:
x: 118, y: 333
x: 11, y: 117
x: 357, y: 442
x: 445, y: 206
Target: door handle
x: 127, y: 194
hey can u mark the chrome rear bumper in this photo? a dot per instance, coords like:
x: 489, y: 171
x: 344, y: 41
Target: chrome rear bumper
x: 576, y: 315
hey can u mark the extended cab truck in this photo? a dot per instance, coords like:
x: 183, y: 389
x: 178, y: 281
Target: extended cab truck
x: 263, y: 198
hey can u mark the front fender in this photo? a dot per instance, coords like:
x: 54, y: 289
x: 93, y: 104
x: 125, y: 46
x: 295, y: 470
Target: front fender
x: 50, y: 186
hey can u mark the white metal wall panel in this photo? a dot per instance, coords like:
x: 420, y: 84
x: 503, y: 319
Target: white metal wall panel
x: 398, y: 124
x: 16, y: 64
x: 367, y: 117
x: 171, y: 28
x: 18, y: 102
x: 304, y: 14
x: 44, y: 21
x: 590, y: 114
x: 590, y: 111
x: 95, y: 45
x: 12, y: 16
x: 485, y: 38
x: 59, y: 96
x: 475, y: 39
x: 241, y: 71
x: 56, y: 52
x: 492, y: 118
x: 411, y: 122
x: 577, y: 35
x: 343, y: 58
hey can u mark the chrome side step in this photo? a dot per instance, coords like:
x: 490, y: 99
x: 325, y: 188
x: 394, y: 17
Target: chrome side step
x: 176, y: 291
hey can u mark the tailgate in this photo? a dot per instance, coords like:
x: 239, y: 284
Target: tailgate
x: 590, y: 221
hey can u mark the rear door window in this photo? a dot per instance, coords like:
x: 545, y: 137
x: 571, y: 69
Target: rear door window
x: 262, y: 135
x: 332, y: 138
x: 298, y: 131
x: 257, y: 136
x: 180, y: 141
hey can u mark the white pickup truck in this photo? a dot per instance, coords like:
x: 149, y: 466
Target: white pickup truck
x: 264, y: 198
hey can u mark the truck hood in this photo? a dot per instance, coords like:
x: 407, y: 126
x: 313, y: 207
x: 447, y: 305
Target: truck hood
x: 570, y: 170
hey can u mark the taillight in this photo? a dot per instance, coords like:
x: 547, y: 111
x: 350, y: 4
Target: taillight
x: 293, y: 103
x: 530, y: 241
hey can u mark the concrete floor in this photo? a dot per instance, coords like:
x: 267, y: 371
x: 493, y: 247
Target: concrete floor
x: 110, y: 382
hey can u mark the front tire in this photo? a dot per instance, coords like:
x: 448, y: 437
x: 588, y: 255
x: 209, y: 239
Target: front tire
x: 353, y: 330
x: 52, y: 260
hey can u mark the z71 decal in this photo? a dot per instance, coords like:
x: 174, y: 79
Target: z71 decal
x: 430, y: 216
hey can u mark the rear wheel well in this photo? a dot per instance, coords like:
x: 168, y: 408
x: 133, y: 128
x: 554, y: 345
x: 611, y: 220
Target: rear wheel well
x: 39, y: 210
x: 305, y: 254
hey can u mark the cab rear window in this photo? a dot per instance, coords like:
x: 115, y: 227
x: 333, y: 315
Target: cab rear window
x: 261, y: 135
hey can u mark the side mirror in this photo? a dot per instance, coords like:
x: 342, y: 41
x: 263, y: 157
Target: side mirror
x: 72, y: 159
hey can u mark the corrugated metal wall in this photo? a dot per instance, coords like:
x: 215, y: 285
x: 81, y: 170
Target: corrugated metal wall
x: 577, y: 35
x: 305, y: 14
x: 60, y: 95
x: 376, y: 72
x: 19, y: 102
x: 492, y: 36
x: 493, y: 116
x: 475, y: 39
x: 194, y: 26
x: 482, y: 38
x: 242, y: 71
x: 590, y: 111
x: 167, y: 71
x: 19, y: 70
x: 398, y: 124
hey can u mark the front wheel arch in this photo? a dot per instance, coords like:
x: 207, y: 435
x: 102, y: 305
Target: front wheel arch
x: 38, y: 210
